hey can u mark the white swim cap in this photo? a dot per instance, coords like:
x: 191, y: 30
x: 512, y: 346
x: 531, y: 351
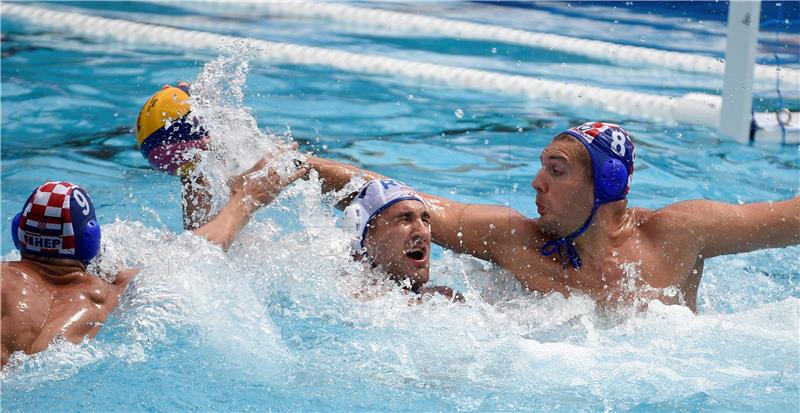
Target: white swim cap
x: 375, y: 196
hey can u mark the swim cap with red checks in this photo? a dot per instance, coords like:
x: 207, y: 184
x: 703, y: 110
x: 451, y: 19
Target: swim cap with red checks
x: 58, y: 221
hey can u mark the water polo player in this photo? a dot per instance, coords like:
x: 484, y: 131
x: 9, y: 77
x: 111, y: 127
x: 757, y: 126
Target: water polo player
x: 171, y: 139
x: 392, y: 234
x: 48, y: 293
x: 587, y: 239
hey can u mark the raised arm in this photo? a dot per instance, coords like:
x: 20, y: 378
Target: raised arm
x: 729, y: 229
x: 250, y: 191
x: 483, y: 231
x: 196, y: 201
x: 488, y: 232
x: 335, y: 175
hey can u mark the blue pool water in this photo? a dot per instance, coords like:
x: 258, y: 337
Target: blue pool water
x: 269, y: 325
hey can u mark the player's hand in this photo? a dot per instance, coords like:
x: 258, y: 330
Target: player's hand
x: 259, y: 185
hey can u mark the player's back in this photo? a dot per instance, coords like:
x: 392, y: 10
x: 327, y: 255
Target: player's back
x: 38, y: 304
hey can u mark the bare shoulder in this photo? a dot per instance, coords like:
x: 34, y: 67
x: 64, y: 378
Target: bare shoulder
x: 10, y: 276
x: 14, y: 274
x: 683, y: 223
x: 524, y: 229
x: 12, y: 266
x: 24, y: 296
x: 103, y: 292
x: 672, y: 216
x: 120, y: 282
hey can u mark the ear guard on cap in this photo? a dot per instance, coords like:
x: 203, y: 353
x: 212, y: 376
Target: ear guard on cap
x: 15, y: 229
x: 87, y: 235
x: 88, y: 246
x: 612, y: 156
x: 87, y: 242
x: 355, y: 218
x: 614, y: 179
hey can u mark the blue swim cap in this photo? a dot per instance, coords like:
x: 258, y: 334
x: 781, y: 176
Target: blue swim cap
x: 613, y: 154
x: 57, y: 221
x: 372, y: 199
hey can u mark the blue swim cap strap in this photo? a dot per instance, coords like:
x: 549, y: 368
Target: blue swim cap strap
x: 553, y: 247
x: 569, y: 243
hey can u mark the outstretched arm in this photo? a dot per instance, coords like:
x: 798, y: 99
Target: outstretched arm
x: 730, y: 229
x: 493, y: 233
x: 251, y: 190
x: 196, y: 201
x: 335, y: 175
x: 483, y: 231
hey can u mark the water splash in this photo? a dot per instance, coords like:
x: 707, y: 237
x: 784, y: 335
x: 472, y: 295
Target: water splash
x: 236, y: 142
x: 276, y: 312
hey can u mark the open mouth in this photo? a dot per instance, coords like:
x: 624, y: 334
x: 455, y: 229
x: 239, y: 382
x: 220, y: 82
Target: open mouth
x: 540, y: 208
x: 416, y: 253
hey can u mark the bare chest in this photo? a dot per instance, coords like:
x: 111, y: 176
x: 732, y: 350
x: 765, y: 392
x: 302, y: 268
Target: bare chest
x: 637, y: 274
x: 636, y: 270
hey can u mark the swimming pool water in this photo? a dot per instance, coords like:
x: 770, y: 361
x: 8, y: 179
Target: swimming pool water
x: 269, y: 325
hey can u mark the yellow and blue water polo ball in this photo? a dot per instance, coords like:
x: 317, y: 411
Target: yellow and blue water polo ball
x: 166, y: 133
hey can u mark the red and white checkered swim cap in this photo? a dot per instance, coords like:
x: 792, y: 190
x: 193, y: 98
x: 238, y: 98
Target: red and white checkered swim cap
x: 58, y: 220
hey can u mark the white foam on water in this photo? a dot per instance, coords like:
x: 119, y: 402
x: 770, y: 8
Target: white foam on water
x: 279, y: 305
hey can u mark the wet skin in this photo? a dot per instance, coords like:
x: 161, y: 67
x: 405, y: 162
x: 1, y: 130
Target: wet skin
x: 398, y: 242
x: 630, y: 255
x: 41, y: 301
x: 627, y: 253
x: 44, y: 297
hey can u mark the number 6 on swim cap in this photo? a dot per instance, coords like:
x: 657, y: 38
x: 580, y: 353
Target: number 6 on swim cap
x: 166, y: 133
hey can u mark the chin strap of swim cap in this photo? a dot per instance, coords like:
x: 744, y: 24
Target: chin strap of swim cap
x: 569, y: 243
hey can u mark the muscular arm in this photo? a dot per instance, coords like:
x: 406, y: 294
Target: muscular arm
x: 250, y: 191
x: 493, y: 233
x: 483, y: 231
x: 336, y: 175
x: 729, y: 229
x: 225, y: 226
x: 488, y: 232
x: 196, y: 201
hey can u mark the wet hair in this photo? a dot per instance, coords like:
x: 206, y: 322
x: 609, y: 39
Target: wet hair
x: 583, y: 154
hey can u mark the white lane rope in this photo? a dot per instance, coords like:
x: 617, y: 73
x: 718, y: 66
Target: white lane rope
x: 402, y: 22
x: 693, y: 109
